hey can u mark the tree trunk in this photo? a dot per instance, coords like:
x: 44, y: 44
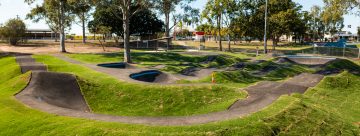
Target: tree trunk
x: 229, y: 43
x: 62, y: 27
x: 83, y: 28
x: 56, y: 40
x: 167, y: 29
x: 126, y: 25
x: 275, y: 42
x: 219, y: 29
x: 104, y: 37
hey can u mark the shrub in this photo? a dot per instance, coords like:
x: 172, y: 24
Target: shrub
x: 13, y: 30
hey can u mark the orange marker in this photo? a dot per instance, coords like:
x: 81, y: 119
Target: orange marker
x: 213, y: 77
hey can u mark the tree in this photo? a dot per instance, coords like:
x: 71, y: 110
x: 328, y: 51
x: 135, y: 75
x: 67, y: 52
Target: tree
x: 167, y: 6
x: 358, y: 31
x: 250, y: 19
x: 144, y: 22
x: 209, y: 29
x: 214, y: 10
x: 343, y: 6
x: 283, y: 16
x: 229, y: 13
x: 183, y: 33
x: 100, y: 29
x: 301, y: 26
x: 316, y: 23
x: 81, y: 10
x: 57, y: 14
x: 128, y: 8
x: 13, y: 30
x: 332, y: 18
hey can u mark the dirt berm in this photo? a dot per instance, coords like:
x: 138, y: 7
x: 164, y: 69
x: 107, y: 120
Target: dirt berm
x: 58, y: 89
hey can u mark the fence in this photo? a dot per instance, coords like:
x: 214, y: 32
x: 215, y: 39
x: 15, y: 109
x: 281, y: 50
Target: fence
x: 155, y: 44
x: 325, y: 51
x: 328, y: 51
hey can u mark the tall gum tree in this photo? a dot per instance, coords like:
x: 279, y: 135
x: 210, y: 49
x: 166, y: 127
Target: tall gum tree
x: 166, y: 7
x: 57, y: 13
x: 332, y: 17
x: 128, y: 8
x: 141, y: 23
x: 317, y: 27
x: 82, y: 11
x: 213, y: 11
x: 283, y: 16
x: 334, y: 10
x: 230, y: 12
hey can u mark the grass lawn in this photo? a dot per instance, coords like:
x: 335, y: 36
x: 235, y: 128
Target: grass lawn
x: 244, y: 45
x: 111, y: 96
x: 328, y: 109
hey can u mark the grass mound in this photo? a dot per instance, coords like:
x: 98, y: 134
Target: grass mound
x: 339, y: 65
x: 224, y: 61
x: 339, y: 95
x: 105, y: 94
x: 8, y: 68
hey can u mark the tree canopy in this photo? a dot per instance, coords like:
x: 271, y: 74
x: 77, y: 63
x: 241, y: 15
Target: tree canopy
x: 81, y: 10
x: 58, y: 14
x: 144, y: 22
x: 13, y: 30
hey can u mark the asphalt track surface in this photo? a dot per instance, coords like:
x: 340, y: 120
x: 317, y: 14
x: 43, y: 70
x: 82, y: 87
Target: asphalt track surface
x: 59, y: 94
x: 309, y: 60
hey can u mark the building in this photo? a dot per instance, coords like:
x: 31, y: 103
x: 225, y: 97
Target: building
x: 199, y: 36
x: 348, y: 36
x: 41, y: 34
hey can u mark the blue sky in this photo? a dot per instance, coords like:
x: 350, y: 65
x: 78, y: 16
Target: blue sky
x: 12, y: 8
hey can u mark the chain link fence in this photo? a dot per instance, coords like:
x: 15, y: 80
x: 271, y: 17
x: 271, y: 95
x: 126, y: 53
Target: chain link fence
x: 327, y: 51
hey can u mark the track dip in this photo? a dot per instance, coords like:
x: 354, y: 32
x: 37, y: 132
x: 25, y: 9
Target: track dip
x: 310, y: 60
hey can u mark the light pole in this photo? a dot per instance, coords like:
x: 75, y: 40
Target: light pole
x: 265, y: 38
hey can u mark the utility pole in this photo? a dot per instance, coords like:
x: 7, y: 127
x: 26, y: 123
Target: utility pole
x: 265, y: 36
x: 314, y: 28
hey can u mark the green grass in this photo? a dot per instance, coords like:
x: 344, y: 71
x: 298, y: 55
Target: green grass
x: 8, y: 67
x: 339, y: 95
x: 343, y: 64
x: 328, y: 109
x: 108, y: 95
